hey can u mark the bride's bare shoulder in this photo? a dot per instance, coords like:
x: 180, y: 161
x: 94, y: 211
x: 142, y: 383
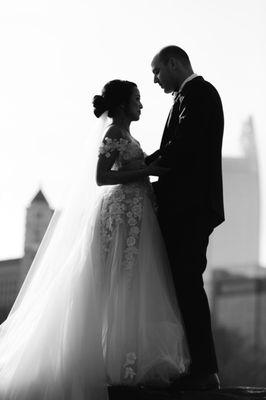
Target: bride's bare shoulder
x: 114, y: 132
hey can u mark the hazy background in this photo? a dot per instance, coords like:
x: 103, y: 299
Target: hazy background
x: 55, y: 55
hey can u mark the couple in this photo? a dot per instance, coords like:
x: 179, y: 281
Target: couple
x: 115, y: 295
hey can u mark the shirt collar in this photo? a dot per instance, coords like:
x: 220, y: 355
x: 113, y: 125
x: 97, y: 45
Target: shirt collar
x: 189, y: 78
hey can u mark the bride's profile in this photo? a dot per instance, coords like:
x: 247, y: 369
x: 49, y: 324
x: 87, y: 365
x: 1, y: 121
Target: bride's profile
x: 98, y: 306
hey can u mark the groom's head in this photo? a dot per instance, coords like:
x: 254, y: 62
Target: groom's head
x: 171, y: 66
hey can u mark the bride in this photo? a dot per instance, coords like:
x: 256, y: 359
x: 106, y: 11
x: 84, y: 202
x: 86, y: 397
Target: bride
x: 98, y: 306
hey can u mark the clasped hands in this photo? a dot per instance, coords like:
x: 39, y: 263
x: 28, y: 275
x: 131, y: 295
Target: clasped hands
x: 156, y: 169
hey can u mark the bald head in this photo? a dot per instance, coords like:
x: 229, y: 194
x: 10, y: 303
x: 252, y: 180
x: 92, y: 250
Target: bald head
x: 171, y: 66
x: 176, y: 52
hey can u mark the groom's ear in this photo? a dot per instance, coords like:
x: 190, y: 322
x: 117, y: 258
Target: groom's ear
x: 173, y: 63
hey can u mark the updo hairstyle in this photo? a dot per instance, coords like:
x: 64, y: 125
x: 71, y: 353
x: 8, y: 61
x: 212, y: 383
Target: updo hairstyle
x: 114, y: 94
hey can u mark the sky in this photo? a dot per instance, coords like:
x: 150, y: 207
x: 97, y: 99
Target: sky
x: 56, y: 55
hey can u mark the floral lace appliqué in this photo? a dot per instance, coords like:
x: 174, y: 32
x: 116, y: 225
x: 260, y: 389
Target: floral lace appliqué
x: 111, y: 216
x: 110, y: 145
x: 133, y: 217
x: 128, y: 150
x: 123, y: 206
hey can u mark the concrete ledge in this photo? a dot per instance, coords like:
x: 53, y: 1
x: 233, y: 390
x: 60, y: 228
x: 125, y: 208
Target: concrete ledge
x: 235, y: 393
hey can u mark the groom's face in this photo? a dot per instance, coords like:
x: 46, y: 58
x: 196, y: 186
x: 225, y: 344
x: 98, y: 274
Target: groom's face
x: 163, y: 75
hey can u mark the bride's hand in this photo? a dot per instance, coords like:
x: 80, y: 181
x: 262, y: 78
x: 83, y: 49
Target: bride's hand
x: 155, y: 169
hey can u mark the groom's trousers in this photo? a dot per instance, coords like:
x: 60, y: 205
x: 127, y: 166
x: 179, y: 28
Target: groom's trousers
x: 186, y: 238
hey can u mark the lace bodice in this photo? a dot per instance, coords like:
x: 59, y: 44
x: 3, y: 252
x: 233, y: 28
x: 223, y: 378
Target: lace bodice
x: 123, y: 203
x: 130, y: 154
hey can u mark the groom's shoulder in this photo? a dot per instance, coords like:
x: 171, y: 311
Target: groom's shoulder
x: 200, y: 84
x: 202, y: 91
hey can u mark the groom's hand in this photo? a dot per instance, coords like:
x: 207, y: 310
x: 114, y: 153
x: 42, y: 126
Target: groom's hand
x: 156, y: 169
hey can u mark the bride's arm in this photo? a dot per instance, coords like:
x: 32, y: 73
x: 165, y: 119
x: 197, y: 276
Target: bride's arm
x: 107, y: 177
x: 104, y: 174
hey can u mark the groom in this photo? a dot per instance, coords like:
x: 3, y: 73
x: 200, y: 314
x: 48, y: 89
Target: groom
x: 190, y: 199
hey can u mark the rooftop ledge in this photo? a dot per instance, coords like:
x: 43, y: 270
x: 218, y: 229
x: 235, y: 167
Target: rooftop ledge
x: 227, y: 393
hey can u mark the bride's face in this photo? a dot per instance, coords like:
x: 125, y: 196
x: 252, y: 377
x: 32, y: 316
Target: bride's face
x: 134, y: 106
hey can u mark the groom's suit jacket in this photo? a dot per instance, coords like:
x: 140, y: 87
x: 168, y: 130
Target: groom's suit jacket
x: 191, y: 147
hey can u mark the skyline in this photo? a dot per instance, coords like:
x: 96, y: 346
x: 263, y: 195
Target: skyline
x: 57, y: 55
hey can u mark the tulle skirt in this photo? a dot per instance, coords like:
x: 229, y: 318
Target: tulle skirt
x: 109, y: 316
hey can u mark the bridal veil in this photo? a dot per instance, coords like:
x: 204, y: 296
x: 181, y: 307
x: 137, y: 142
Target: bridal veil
x: 52, y: 304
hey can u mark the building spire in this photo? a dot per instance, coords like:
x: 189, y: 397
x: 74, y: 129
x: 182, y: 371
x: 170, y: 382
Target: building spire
x: 249, y: 143
x: 39, y: 197
x: 248, y: 140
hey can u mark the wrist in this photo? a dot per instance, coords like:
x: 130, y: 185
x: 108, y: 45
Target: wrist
x: 148, y: 170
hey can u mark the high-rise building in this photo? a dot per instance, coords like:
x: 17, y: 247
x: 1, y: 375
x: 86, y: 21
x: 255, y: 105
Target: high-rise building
x: 235, y: 282
x: 234, y: 245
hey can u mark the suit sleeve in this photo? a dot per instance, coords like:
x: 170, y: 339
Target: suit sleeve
x: 152, y: 157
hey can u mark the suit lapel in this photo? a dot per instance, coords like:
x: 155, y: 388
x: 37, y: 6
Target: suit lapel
x: 170, y: 125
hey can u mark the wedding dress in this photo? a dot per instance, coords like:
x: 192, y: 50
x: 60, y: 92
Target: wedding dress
x: 110, y: 315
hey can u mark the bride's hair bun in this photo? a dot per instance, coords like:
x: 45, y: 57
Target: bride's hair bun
x: 99, y: 105
x: 114, y: 94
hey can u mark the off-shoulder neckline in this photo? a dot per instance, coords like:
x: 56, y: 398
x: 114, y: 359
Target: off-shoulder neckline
x: 130, y: 138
